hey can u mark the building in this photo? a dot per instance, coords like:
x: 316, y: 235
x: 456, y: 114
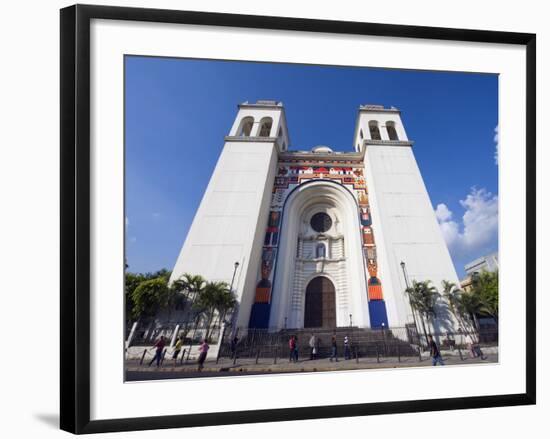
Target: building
x: 484, y: 263
x: 319, y: 235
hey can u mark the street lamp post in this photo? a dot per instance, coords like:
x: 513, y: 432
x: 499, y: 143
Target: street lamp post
x: 350, y: 321
x: 236, y: 265
x: 410, y: 302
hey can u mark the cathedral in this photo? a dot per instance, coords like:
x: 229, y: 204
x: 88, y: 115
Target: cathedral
x: 317, y: 238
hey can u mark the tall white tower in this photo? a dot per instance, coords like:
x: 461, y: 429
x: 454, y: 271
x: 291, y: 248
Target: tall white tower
x: 230, y: 222
x: 406, y: 227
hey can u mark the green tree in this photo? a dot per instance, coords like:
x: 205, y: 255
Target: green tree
x: 146, y: 294
x: 150, y: 296
x: 485, y: 287
x: 214, y: 300
x: 190, y: 287
x: 189, y: 284
x: 423, y: 298
x: 163, y: 272
x: 453, y: 296
x: 463, y: 305
x: 225, y: 304
x: 132, y: 281
x: 452, y: 293
x: 470, y: 307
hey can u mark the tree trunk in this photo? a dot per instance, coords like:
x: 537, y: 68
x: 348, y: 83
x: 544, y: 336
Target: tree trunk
x: 432, y: 320
x: 476, y: 325
x: 209, y: 323
x: 424, y: 328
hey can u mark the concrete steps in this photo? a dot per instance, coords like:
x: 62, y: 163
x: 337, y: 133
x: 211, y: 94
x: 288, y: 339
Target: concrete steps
x: 366, y: 342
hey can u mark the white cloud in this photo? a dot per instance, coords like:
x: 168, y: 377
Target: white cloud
x: 496, y: 145
x: 156, y: 215
x: 479, y: 226
x: 126, y: 221
x: 449, y: 227
x: 443, y: 213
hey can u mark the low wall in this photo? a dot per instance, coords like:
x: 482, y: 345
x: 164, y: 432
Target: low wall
x: 136, y: 352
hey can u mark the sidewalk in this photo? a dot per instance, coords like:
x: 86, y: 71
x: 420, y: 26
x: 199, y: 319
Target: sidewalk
x: 241, y: 366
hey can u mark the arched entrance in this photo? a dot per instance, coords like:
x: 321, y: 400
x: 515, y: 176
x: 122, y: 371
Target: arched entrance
x: 320, y: 309
x: 299, y: 258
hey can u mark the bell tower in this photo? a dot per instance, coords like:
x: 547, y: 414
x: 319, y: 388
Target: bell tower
x: 230, y: 222
x: 406, y: 227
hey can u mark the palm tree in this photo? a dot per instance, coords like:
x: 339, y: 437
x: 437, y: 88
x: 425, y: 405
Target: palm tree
x: 189, y: 283
x: 226, y: 303
x: 191, y: 287
x: 471, y: 307
x: 423, y: 298
x: 453, y: 296
x: 464, y: 305
x: 214, y: 299
x: 485, y: 287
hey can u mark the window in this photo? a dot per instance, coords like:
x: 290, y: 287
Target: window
x: 392, y: 133
x: 321, y: 222
x: 246, y: 127
x: 361, y: 134
x: 374, y: 131
x: 320, y: 251
x: 265, y: 127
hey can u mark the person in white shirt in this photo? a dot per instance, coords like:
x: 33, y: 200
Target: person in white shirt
x: 312, y: 346
x: 347, y: 349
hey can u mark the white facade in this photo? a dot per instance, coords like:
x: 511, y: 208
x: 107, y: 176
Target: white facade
x: 319, y: 235
x: 484, y: 263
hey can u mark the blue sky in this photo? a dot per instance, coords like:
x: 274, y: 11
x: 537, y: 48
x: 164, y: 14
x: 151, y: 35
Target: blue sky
x: 178, y: 112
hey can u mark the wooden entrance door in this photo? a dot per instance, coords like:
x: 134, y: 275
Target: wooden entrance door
x: 320, y: 310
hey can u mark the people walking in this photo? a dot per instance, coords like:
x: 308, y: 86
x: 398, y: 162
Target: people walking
x: 347, y: 348
x: 461, y: 337
x: 177, y: 349
x: 203, y: 351
x: 476, y: 349
x: 312, y: 347
x: 295, y: 349
x: 234, y: 343
x: 434, y: 352
x: 159, y: 346
x: 450, y: 341
x: 333, y: 349
x: 291, y: 348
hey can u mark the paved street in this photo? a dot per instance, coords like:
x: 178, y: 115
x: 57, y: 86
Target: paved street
x: 248, y: 366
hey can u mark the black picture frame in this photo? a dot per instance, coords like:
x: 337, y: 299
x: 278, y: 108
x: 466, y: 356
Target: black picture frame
x: 75, y: 217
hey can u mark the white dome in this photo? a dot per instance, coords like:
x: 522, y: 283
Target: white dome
x: 321, y: 148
